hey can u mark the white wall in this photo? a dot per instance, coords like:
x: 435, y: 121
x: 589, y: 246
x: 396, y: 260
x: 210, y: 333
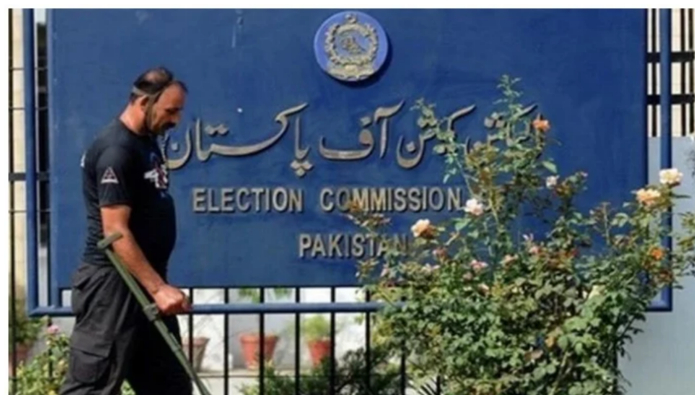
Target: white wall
x: 662, y: 358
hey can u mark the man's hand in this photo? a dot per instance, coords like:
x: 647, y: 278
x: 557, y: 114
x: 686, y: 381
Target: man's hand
x: 171, y: 300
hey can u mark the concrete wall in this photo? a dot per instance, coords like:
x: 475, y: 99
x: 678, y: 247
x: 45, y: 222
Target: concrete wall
x: 662, y: 359
x: 18, y: 150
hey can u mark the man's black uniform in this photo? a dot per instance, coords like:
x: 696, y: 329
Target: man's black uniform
x: 112, y: 339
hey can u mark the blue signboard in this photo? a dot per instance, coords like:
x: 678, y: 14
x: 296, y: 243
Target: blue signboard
x: 291, y: 113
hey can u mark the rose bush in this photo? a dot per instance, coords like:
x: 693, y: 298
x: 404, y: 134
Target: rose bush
x: 45, y: 372
x: 523, y: 292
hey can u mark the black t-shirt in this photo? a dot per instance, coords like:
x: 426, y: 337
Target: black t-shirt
x: 121, y: 167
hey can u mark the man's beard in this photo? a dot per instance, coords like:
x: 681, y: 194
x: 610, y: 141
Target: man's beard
x: 162, y: 130
x: 150, y: 115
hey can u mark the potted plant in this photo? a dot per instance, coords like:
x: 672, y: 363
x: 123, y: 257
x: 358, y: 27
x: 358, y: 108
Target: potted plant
x: 250, y: 341
x: 317, y: 330
x: 199, y: 346
x: 23, y: 332
x: 196, y: 339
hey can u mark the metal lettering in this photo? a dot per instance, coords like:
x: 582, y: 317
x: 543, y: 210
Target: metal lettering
x: 414, y: 199
x: 335, y: 245
x: 318, y: 248
x: 304, y: 244
x: 378, y: 199
x: 366, y: 139
x: 237, y: 151
x: 440, y: 203
x: 211, y: 207
x: 226, y: 198
x: 198, y: 200
x: 385, y: 113
x: 342, y: 204
x: 361, y: 196
x: 277, y: 204
x: 296, y: 200
x: 400, y: 200
x: 358, y: 246
x: 239, y: 200
x: 326, y: 206
x: 383, y: 247
x: 454, y: 199
x: 257, y: 192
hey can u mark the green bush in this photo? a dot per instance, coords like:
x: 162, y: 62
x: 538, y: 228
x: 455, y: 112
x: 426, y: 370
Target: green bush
x: 495, y: 308
x: 44, y: 374
x: 316, y: 328
x: 23, y: 330
x: 253, y: 294
x: 350, y: 377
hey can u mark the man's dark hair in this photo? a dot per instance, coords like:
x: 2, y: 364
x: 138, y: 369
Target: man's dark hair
x: 153, y: 82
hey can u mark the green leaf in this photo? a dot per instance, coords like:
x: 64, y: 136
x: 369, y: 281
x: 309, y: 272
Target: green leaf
x: 575, y: 390
x: 461, y: 224
x: 539, y: 373
x: 563, y: 341
x: 550, y: 166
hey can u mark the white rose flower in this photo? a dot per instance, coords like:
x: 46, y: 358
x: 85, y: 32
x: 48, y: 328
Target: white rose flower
x: 647, y: 196
x: 509, y: 259
x: 430, y: 268
x: 595, y: 291
x: 670, y: 177
x: 552, y: 181
x: 474, y: 207
x: 477, y: 266
x: 420, y: 227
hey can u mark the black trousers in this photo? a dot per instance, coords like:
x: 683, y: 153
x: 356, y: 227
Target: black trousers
x: 112, y: 341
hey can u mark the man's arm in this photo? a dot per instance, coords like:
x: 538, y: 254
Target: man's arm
x: 117, y: 174
x: 115, y: 219
x: 169, y: 300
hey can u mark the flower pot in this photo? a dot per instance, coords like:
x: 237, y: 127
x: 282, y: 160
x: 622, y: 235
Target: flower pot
x: 21, y: 351
x: 199, y: 345
x: 319, y: 350
x: 250, y: 344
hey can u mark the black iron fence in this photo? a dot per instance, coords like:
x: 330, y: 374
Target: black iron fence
x: 352, y: 372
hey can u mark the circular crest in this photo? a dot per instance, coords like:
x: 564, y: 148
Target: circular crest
x: 351, y: 46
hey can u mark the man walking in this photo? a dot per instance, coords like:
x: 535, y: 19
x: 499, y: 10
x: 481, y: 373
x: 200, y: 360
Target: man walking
x: 125, y: 186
